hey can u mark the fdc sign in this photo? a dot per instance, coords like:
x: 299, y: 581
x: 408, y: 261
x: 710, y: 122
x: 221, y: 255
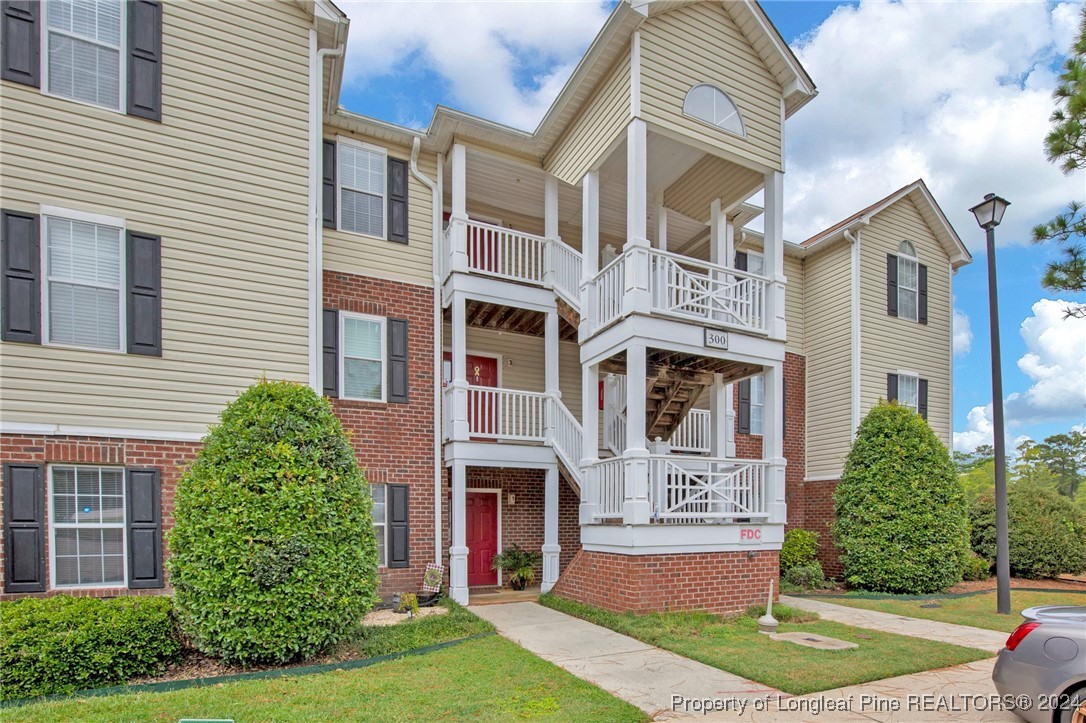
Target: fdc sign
x: 750, y: 534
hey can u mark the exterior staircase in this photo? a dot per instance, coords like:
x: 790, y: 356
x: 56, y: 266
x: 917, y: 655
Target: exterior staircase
x: 668, y: 402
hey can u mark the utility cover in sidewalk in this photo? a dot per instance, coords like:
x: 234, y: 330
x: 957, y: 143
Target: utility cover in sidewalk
x: 813, y: 640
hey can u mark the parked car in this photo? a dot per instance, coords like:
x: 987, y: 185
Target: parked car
x: 1045, y: 661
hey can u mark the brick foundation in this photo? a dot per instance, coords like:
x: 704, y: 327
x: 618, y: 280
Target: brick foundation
x: 717, y: 582
x: 818, y: 516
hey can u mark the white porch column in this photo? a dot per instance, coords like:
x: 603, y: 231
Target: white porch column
x: 459, y: 213
x: 550, y: 225
x: 717, y: 236
x: 729, y: 417
x: 637, y: 182
x: 459, y: 383
x: 550, y: 363
x: 774, y: 253
x: 590, y: 251
x: 773, y: 441
x: 661, y: 222
x: 551, y: 548
x: 636, y: 455
x: 718, y: 421
x: 590, y: 443
x: 458, y: 551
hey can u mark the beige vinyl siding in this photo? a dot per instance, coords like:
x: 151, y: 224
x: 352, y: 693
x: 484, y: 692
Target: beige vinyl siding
x: 222, y: 179
x: 828, y: 343
x: 708, y: 179
x: 371, y: 256
x: 793, y: 305
x: 701, y: 43
x: 596, y: 127
x: 890, y: 343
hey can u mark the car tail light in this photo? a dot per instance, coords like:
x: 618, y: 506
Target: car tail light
x: 1019, y: 633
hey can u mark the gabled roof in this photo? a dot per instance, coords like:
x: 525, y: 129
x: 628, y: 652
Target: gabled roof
x: 918, y: 192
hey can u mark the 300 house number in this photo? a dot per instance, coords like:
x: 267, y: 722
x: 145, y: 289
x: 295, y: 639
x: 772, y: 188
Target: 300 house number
x: 716, y: 339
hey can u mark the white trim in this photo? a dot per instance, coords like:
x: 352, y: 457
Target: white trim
x: 914, y: 259
x: 907, y: 373
x: 855, y: 323
x: 313, y: 228
x: 67, y: 430
x: 65, y: 214
x: 382, y: 321
x: 122, y: 60
x: 635, y: 74
x: 824, y: 478
x: 498, y: 492
x: 53, y: 527
x: 347, y: 140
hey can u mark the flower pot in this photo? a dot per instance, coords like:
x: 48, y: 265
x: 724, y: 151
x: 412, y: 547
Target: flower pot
x: 517, y: 583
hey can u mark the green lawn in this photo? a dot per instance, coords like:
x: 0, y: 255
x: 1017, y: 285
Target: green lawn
x: 735, y: 645
x: 485, y: 679
x: 371, y: 641
x: 976, y: 610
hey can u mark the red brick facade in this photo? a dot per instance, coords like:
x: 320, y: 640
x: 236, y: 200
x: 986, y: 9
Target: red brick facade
x: 818, y: 516
x: 718, y: 582
x: 169, y: 457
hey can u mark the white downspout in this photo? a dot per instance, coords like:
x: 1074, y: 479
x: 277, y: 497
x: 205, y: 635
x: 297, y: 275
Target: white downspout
x: 435, y: 192
x: 854, y: 313
x: 316, y: 223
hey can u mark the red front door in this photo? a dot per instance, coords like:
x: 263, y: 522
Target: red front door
x: 482, y: 371
x: 482, y: 537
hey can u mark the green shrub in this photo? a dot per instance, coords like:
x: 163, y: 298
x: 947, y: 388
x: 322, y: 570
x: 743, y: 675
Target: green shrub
x: 272, y: 554
x: 976, y: 568
x: 806, y: 577
x: 901, y: 521
x: 800, y: 548
x: 1047, y: 531
x: 64, y: 644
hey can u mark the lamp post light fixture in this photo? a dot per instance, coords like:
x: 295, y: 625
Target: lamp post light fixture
x: 989, y: 214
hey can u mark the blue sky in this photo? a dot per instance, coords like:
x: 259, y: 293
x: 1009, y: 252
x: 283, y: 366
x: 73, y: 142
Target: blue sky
x: 956, y: 93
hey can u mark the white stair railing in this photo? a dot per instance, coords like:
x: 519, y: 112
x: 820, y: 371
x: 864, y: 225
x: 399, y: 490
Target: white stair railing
x: 568, y: 438
x: 564, y: 263
x: 608, y: 493
x: 694, y: 433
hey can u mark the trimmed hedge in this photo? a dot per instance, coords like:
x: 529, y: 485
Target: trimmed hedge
x: 806, y: 577
x: 272, y: 554
x: 901, y: 520
x: 800, y: 549
x: 1047, y: 531
x: 64, y: 644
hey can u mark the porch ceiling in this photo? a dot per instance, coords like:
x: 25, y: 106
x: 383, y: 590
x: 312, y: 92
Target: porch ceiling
x: 485, y: 315
x: 667, y: 364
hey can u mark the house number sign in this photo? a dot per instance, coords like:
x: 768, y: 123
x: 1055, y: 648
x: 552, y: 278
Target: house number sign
x: 716, y: 339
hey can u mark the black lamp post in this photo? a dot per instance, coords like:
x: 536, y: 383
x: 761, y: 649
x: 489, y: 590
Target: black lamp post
x: 989, y: 213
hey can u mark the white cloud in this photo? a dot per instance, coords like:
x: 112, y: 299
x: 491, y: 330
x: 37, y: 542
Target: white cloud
x: 978, y: 430
x: 1055, y: 361
x: 505, y: 61
x: 963, y: 333
x: 956, y: 93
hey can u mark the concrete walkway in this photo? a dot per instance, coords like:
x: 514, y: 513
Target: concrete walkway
x: 636, y: 672
x: 989, y: 640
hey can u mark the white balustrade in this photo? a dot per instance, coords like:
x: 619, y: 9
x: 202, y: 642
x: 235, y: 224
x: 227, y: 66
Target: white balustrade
x: 610, y: 288
x: 693, y: 433
x: 508, y: 414
x: 609, y: 488
x: 568, y: 437
x: 565, y: 263
x: 703, y: 489
x: 695, y: 289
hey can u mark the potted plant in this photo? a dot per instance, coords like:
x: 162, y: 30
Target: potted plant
x: 519, y: 563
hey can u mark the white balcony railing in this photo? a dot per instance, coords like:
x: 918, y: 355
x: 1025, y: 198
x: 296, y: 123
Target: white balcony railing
x: 694, y: 433
x: 610, y: 287
x: 505, y: 414
x: 608, y: 489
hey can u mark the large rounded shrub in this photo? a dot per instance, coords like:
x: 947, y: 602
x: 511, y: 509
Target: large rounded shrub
x: 1047, y: 532
x: 272, y: 553
x: 901, y: 518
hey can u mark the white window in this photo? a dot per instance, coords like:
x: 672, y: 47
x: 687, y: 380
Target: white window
x: 380, y: 521
x: 756, y: 263
x: 84, y: 49
x: 757, y: 404
x: 907, y: 281
x: 87, y: 525
x: 362, y: 361
x: 83, y: 262
x: 908, y: 391
x: 712, y: 105
x: 361, y: 176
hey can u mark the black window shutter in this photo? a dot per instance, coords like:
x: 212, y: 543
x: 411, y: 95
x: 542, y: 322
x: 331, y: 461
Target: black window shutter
x: 741, y: 260
x: 20, y: 42
x: 922, y: 294
x: 891, y: 387
x: 145, y: 59
x: 330, y: 344
x: 399, y: 543
x: 891, y: 284
x: 143, y: 499
x: 20, y: 302
x: 328, y: 188
x: 744, y: 407
x: 922, y: 398
x: 24, y: 527
x: 397, y: 361
x: 397, y: 200
x: 144, y: 266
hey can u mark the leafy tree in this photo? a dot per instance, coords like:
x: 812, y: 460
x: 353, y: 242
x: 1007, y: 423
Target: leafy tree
x: 968, y: 461
x: 1066, y: 144
x: 1064, y: 455
x: 979, y: 481
x: 900, y: 513
x: 272, y: 553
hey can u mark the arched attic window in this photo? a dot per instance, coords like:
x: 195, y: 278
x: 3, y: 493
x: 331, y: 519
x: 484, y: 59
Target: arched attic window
x: 712, y: 105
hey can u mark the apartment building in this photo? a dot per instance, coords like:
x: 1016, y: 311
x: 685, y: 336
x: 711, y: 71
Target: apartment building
x: 567, y: 339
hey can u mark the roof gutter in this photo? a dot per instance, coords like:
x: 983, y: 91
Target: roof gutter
x: 435, y: 192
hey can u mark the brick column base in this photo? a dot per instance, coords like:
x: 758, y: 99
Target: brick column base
x: 717, y: 582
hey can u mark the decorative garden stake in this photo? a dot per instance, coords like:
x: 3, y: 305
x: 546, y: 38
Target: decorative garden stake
x: 767, y: 623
